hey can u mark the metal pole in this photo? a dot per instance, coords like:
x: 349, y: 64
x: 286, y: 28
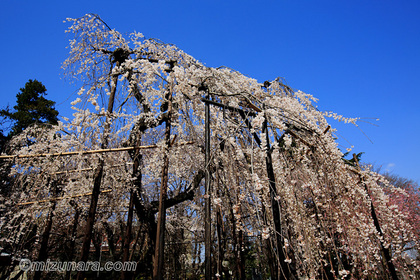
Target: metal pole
x: 207, y: 215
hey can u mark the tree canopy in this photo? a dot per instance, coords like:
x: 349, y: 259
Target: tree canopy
x: 31, y: 108
x: 281, y: 194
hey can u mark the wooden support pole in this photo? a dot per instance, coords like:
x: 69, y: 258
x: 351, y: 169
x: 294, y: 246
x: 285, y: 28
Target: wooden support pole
x: 158, y: 265
x: 220, y: 246
x: 207, y: 195
x: 230, y: 108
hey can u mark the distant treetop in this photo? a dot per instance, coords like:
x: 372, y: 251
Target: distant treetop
x: 32, y: 107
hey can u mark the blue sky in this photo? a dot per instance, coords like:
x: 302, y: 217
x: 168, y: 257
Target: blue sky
x: 359, y: 58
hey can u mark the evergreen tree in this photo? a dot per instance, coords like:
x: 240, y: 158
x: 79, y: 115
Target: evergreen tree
x: 31, y: 107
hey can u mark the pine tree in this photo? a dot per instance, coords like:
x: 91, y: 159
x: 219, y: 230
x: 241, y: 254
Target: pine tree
x: 31, y: 108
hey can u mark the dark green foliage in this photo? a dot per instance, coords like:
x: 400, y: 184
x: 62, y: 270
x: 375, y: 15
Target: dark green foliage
x: 351, y: 161
x: 31, y: 108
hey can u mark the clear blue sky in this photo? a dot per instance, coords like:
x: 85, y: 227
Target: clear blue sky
x: 360, y: 58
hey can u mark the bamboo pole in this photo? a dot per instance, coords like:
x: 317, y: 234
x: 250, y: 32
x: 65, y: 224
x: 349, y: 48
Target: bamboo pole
x: 71, y: 171
x: 86, y: 169
x: 110, y: 150
x: 59, y: 198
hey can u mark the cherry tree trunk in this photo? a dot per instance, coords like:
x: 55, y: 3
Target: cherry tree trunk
x: 128, y: 231
x: 127, y: 239
x: 73, y: 239
x: 282, y: 269
x: 43, y: 251
x: 99, y: 172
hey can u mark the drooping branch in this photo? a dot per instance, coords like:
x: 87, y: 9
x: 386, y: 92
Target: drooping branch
x: 385, y: 250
